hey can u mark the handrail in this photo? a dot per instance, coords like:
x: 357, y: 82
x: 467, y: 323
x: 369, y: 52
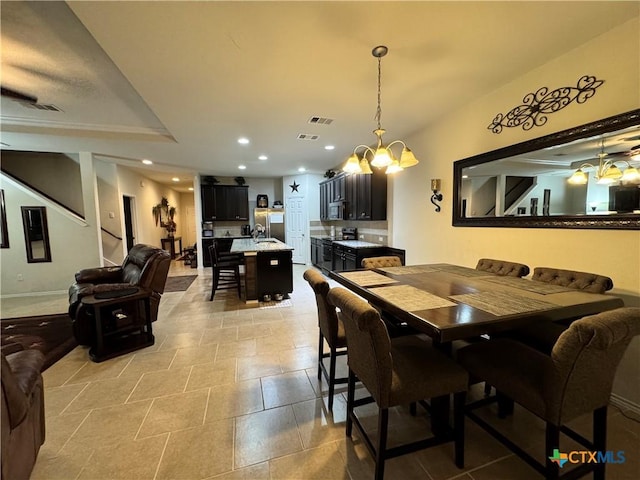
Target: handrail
x: 40, y: 192
x: 112, y: 234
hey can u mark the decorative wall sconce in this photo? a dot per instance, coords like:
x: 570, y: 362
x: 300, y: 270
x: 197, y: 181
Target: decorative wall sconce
x: 436, y: 197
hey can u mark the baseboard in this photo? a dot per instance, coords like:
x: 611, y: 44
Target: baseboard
x: 625, y: 404
x: 34, y: 294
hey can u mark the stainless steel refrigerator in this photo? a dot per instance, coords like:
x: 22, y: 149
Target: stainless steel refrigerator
x: 272, y: 219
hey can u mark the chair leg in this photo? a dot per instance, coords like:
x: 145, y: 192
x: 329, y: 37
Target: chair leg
x: 600, y: 439
x: 351, y: 394
x: 214, y: 284
x: 505, y: 405
x: 458, y: 427
x: 237, y: 273
x: 381, y: 450
x: 551, y: 443
x: 440, y: 415
x: 332, y: 376
x: 320, y: 354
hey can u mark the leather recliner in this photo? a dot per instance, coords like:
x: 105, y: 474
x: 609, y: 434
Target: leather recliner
x: 23, y: 421
x: 145, y: 267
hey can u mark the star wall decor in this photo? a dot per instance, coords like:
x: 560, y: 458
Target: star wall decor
x: 294, y: 187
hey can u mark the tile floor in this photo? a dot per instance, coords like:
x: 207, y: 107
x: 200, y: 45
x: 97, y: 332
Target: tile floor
x: 230, y: 391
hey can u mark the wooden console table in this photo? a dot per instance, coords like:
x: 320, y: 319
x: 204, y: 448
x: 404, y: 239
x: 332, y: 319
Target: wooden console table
x: 172, y: 245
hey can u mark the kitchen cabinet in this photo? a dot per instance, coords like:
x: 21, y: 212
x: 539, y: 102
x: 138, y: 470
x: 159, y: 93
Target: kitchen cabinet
x: 316, y: 252
x: 344, y: 258
x: 365, y: 195
x: 225, y: 202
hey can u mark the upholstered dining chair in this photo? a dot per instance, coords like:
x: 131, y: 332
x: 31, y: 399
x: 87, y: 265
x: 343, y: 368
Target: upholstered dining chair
x: 405, y: 371
x: 331, y: 329
x: 543, y: 335
x: 502, y: 267
x: 381, y: 262
x: 575, y: 379
x: 226, y: 272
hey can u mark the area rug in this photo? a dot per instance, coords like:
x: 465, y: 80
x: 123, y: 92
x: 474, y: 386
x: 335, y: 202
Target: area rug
x: 51, y: 334
x: 179, y: 284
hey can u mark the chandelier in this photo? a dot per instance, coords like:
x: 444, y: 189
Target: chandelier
x: 607, y: 172
x: 381, y: 156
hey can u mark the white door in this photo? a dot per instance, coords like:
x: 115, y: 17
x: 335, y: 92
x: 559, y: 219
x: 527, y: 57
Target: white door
x: 190, y: 234
x: 296, y: 225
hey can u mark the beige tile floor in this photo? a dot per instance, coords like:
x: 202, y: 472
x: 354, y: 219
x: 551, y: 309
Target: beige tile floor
x: 230, y: 391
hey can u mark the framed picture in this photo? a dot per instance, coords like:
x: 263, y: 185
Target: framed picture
x: 4, y: 234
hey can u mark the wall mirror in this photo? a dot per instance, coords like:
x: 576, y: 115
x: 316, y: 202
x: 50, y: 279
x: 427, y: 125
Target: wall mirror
x: 36, y: 234
x: 4, y: 234
x: 527, y: 184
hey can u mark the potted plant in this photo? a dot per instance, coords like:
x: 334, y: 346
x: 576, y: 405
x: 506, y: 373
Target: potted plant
x: 169, y: 212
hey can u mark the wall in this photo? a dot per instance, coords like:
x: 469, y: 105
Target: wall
x: 147, y: 194
x: 73, y: 246
x: 110, y: 212
x: 429, y: 236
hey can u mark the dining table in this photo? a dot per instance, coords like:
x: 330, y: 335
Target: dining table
x: 451, y: 302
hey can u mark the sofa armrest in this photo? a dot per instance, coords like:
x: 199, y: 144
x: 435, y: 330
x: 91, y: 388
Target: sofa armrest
x: 20, y: 375
x: 99, y: 275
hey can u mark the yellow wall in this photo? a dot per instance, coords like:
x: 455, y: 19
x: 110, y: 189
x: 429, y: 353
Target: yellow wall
x: 429, y: 236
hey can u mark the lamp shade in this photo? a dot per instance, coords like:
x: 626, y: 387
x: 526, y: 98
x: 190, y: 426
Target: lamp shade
x: 364, y: 167
x: 394, y: 167
x: 610, y: 175
x: 631, y: 175
x: 382, y: 157
x: 352, y: 165
x: 578, y: 178
x: 407, y: 158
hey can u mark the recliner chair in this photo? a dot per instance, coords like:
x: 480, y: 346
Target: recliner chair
x: 145, y: 267
x: 23, y: 422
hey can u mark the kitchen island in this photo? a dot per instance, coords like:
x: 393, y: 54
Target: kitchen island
x: 267, y: 265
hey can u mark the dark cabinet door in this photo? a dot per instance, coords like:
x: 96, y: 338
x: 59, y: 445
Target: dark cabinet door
x: 324, y: 200
x: 208, y: 195
x: 339, y: 188
x: 363, y: 197
x: 371, y: 198
x: 351, y: 186
x: 238, y: 203
x: 349, y: 259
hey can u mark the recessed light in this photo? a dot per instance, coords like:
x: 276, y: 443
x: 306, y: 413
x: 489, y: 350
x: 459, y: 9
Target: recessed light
x: 191, y: 189
x: 329, y: 147
x: 302, y: 169
x: 243, y: 141
x: 175, y: 179
x: 242, y: 167
x: 147, y: 162
x: 263, y: 157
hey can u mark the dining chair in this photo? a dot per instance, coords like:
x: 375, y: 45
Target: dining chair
x: 399, y: 372
x: 502, y: 267
x: 585, y: 281
x: 331, y: 329
x: 381, y: 262
x: 542, y: 335
x: 226, y: 272
x: 575, y: 379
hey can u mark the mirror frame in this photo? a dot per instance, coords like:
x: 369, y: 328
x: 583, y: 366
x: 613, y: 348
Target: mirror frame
x: 45, y: 234
x: 625, y: 221
x: 4, y: 235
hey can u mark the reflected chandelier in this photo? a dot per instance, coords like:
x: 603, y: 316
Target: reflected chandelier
x: 607, y: 172
x: 382, y: 156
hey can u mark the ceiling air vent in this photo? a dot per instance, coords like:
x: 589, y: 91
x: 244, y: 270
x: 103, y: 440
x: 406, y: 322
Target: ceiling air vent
x: 42, y: 106
x: 320, y: 120
x: 307, y: 136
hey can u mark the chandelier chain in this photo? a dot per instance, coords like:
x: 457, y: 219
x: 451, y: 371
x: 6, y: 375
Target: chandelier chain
x: 379, y: 109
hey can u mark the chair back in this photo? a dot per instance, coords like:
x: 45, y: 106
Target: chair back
x: 368, y: 343
x: 327, y: 316
x: 588, y: 282
x: 381, y: 262
x: 502, y: 267
x: 146, y: 267
x: 213, y: 254
x: 585, y: 359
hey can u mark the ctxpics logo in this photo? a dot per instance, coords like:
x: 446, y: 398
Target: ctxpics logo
x: 585, y: 456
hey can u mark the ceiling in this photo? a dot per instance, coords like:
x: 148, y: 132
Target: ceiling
x: 179, y: 82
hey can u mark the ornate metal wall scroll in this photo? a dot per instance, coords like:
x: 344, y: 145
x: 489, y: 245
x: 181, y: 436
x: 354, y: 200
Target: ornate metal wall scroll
x: 536, y: 106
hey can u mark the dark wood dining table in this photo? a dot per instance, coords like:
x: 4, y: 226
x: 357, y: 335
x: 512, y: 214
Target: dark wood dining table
x: 451, y: 302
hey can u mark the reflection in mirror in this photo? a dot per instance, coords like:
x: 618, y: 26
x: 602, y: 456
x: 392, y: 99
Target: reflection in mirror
x: 4, y: 234
x: 36, y: 234
x: 585, y: 177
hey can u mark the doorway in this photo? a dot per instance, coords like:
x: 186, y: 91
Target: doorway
x: 129, y: 232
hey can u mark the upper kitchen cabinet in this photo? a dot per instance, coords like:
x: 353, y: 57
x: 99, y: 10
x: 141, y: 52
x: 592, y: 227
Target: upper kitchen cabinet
x: 367, y: 196
x: 225, y: 202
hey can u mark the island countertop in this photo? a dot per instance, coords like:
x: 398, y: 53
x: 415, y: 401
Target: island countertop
x: 246, y: 245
